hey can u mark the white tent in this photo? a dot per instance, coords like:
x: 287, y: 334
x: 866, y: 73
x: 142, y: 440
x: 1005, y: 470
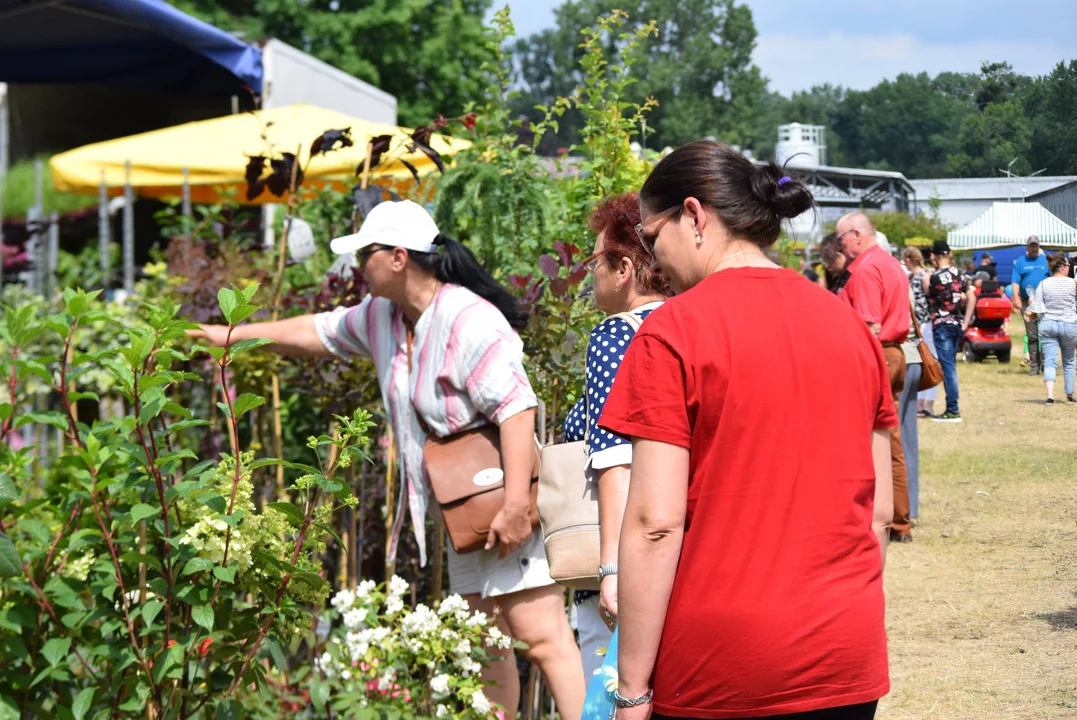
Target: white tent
x: 1006, y: 224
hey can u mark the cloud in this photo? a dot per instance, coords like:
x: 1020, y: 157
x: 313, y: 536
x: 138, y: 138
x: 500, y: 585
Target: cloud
x: 861, y: 61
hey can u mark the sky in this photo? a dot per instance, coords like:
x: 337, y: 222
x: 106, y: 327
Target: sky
x: 858, y: 43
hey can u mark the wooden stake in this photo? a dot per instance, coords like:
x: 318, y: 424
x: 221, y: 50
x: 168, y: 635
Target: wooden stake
x: 351, y: 535
x: 390, y: 482
x: 282, y: 259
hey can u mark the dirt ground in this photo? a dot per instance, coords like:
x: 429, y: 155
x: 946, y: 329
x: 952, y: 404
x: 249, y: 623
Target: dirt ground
x: 982, y: 606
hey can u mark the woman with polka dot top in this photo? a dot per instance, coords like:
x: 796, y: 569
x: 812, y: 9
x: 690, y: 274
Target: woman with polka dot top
x: 623, y: 282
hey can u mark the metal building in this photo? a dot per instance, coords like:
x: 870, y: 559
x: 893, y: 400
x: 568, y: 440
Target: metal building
x: 1061, y: 201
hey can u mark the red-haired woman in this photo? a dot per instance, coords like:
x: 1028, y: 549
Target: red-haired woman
x: 623, y: 283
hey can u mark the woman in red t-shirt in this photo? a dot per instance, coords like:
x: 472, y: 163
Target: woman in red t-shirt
x: 758, y: 403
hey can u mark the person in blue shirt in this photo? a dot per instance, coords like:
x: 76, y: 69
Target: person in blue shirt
x: 1028, y: 272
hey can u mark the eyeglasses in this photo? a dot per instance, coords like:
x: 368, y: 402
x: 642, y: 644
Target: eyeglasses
x: 647, y: 240
x: 841, y: 237
x: 592, y: 262
x: 364, y: 255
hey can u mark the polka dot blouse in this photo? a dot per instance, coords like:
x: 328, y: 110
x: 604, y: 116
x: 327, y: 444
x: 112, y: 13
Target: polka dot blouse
x: 605, y: 353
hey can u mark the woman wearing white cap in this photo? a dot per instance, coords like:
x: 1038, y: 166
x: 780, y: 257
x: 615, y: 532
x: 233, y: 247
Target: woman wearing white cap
x: 429, y: 291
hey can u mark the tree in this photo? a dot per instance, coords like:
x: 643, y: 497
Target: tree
x: 1050, y: 104
x: 428, y: 53
x: 998, y: 132
x: 906, y: 124
x: 699, y: 68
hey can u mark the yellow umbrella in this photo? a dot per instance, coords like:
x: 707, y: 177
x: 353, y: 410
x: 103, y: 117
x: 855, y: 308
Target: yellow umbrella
x: 215, y: 153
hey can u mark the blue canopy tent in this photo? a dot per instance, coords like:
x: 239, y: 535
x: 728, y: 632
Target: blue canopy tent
x: 141, y: 43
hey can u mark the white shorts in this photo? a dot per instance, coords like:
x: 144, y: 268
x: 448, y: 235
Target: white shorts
x: 484, y: 573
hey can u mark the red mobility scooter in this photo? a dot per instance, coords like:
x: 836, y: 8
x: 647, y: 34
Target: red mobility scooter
x: 987, y: 335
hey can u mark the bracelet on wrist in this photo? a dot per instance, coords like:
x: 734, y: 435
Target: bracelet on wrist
x: 604, y: 570
x: 623, y: 702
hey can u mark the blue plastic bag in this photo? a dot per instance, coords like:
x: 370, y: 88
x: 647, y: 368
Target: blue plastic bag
x: 599, y: 702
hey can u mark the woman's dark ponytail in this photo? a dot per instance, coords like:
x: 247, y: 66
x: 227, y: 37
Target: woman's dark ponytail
x: 456, y: 264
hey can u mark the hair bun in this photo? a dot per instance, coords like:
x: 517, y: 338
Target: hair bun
x: 785, y: 196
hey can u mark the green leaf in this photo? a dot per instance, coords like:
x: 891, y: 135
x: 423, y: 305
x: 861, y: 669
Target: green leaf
x: 331, y: 531
x: 8, y: 491
x: 136, y: 558
x: 37, y: 530
x: 277, y: 654
x: 241, y: 313
x: 184, y: 424
x: 5, y: 411
x: 224, y: 409
x: 294, y: 514
x: 228, y: 710
x: 226, y: 575
x: 153, y: 406
x: 55, y: 419
x: 197, y: 564
x: 317, y: 582
x: 330, y: 486
x: 249, y: 292
x: 74, y: 301
x: 244, y: 345
x: 82, y: 703
x: 233, y: 519
x: 76, y: 396
x: 10, y: 565
x: 217, y: 503
x: 203, y: 615
x: 143, y: 511
x: 228, y: 301
x: 175, y: 456
x: 263, y: 462
x: 319, y: 693
x: 150, y: 609
x: 56, y: 649
x: 246, y: 402
x: 216, y: 352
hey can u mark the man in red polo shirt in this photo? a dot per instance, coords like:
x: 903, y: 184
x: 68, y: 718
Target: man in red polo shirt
x: 878, y: 289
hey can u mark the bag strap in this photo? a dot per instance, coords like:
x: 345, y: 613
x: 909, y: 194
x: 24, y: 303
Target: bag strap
x: 915, y: 324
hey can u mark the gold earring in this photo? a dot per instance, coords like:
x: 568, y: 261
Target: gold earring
x: 699, y: 238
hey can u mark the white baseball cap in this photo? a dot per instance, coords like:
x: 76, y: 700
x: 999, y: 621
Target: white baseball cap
x: 393, y: 224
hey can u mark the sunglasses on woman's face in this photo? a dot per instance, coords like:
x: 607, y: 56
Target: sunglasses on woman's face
x: 647, y: 238
x: 364, y: 255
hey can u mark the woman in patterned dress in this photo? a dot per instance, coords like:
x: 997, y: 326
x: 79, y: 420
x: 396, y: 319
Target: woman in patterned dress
x: 623, y: 283
x: 428, y: 291
x: 914, y: 263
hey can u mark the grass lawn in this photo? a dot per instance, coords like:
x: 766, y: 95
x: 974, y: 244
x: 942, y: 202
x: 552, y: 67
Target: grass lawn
x: 982, y: 606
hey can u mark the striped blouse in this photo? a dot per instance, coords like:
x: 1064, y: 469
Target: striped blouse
x: 467, y: 370
x: 1056, y: 299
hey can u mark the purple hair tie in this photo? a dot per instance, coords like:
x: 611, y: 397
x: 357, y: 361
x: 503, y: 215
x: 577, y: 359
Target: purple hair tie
x: 784, y: 180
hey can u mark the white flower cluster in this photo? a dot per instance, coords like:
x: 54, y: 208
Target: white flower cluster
x: 440, y: 686
x: 79, y: 568
x: 497, y: 639
x: 207, y: 537
x: 381, y: 637
x: 480, y: 703
x: 456, y: 606
x: 421, y: 622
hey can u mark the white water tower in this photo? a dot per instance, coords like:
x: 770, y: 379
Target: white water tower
x: 801, y: 145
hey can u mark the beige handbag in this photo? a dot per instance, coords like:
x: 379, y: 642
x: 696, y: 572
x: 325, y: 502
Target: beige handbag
x: 568, y: 506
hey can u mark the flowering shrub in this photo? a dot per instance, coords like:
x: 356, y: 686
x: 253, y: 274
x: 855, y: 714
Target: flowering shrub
x: 140, y: 578
x: 425, y: 662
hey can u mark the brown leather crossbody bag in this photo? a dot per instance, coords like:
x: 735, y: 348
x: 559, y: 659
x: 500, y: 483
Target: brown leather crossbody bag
x: 467, y: 477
